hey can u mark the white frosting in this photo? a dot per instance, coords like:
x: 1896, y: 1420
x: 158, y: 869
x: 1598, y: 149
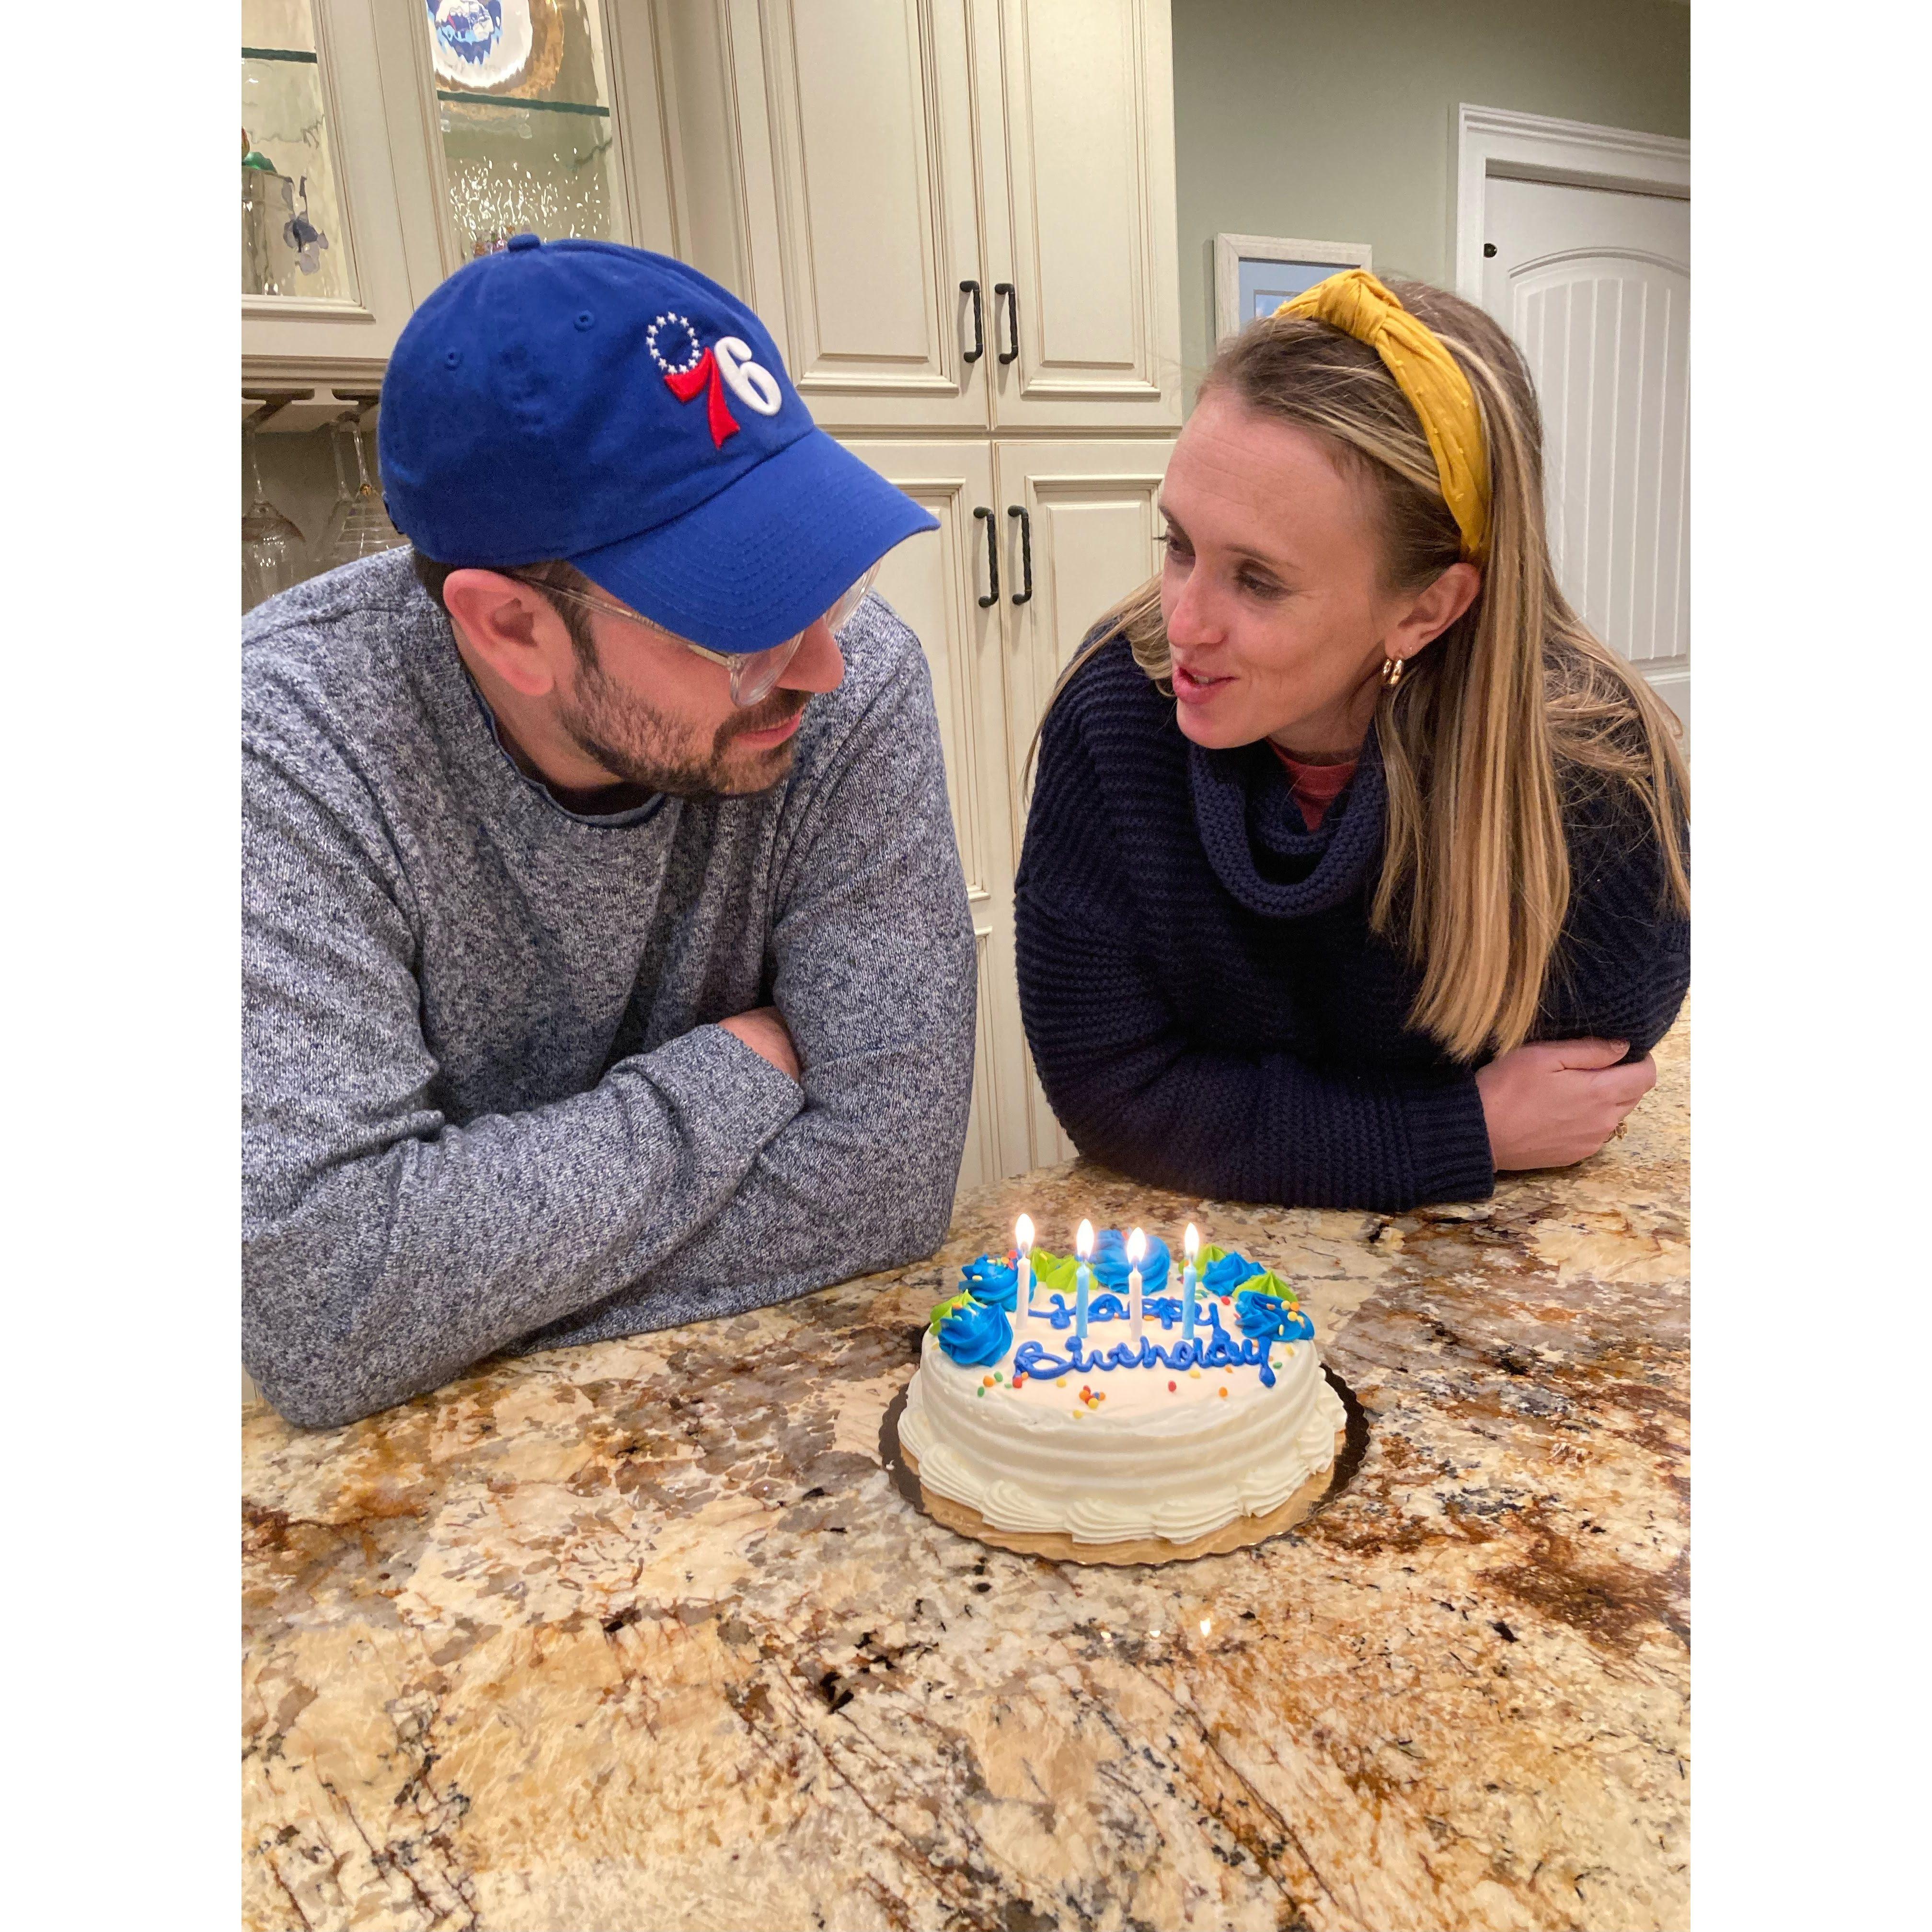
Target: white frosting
x: 1147, y: 1462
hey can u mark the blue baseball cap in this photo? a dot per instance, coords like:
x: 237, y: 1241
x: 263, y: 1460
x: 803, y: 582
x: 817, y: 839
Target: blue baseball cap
x: 615, y: 408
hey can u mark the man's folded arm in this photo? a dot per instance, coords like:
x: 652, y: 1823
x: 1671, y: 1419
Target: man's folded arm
x: 384, y: 1248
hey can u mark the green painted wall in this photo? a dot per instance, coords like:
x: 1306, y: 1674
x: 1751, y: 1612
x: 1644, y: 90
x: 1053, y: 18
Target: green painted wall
x: 1335, y: 120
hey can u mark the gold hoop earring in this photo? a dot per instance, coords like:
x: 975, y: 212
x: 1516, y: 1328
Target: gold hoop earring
x: 1392, y: 670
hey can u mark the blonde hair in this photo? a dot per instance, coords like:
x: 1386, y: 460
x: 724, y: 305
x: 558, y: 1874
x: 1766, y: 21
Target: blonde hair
x: 1513, y: 711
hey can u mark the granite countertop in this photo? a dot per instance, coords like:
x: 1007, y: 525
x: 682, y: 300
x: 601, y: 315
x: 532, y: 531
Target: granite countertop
x: 642, y: 1634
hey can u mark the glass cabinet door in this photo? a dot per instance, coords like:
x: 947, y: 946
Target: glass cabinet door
x: 523, y: 100
x: 294, y: 242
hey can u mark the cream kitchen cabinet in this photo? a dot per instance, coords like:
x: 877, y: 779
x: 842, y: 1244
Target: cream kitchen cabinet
x: 1036, y: 538
x: 349, y: 151
x: 939, y: 583
x: 1077, y: 159
x: 1083, y: 536
x: 403, y: 171
x: 953, y: 215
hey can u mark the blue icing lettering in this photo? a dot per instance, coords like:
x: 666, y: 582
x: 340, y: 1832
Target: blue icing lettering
x: 1262, y: 1318
x: 975, y: 1335
x: 1218, y: 1354
x: 1033, y: 1359
x: 992, y: 1282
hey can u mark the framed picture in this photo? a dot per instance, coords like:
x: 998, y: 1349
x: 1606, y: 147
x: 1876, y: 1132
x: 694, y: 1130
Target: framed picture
x: 1254, y: 274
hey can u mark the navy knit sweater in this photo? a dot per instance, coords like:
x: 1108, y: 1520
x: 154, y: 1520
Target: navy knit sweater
x: 1206, y: 1004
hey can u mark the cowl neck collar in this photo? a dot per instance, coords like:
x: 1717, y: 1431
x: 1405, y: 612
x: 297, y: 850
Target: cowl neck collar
x: 1260, y: 847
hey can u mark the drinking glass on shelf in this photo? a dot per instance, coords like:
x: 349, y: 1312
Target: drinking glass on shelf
x: 359, y: 525
x: 328, y: 550
x: 273, y: 554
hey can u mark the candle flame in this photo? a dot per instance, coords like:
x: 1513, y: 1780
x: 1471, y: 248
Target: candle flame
x: 1136, y: 1248
x: 1023, y: 1234
x: 1193, y: 1241
x: 1083, y: 1242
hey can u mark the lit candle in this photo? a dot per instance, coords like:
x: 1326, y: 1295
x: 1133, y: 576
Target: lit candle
x: 1136, y: 1254
x: 1193, y: 1244
x: 1083, y: 1278
x: 1023, y: 1302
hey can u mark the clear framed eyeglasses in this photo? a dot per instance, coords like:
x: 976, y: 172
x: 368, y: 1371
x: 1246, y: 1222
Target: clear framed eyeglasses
x: 753, y: 674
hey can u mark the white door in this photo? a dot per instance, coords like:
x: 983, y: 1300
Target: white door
x: 1594, y: 285
x: 1088, y: 527
x: 1076, y: 119
x: 935, y: 582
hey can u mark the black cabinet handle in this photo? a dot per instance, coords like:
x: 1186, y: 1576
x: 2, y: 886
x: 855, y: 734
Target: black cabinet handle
x: 1026, y: 552
x: 1012, y: 320
x: 979, y: 348
x: 992, y: 559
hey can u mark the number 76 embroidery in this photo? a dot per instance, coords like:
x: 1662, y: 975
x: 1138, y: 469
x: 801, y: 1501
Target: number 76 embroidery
x: 726, y: 362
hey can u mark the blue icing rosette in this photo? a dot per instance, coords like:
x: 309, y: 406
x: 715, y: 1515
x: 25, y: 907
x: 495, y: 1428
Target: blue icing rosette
x: 975, y: 1334
x: 1268, y: 1318
x: 1224, y: 1276
x: 1110, y: 1263
x: 992, y: 1282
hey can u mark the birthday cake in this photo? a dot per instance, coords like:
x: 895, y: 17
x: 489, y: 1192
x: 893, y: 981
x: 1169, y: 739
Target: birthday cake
x: 1113, y: 1412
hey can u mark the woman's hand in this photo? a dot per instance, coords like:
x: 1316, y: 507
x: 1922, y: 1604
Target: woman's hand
x: 1558, y: 1101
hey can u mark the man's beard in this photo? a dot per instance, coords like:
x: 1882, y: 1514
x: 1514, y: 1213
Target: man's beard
x: 629, y: 737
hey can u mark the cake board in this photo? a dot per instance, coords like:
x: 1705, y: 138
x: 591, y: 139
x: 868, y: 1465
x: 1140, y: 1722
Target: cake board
x: 1242, y: 1532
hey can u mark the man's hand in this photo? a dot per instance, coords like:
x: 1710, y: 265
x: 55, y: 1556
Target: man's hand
x: 1558, y: 1101
x: 764, y: 1031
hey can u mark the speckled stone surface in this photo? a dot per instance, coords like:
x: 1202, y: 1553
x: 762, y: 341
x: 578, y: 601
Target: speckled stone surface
x: 641, y: 1635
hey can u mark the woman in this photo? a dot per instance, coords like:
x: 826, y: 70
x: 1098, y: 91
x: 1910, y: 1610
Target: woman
x: 1355, y: 868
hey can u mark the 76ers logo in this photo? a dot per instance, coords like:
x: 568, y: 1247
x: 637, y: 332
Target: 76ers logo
x: 689, y: 367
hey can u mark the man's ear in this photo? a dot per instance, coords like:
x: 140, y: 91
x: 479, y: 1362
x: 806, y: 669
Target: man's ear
x: 512, y: 628
x: 1435, y: 610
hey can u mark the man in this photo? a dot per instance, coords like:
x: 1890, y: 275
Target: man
x: 606, y: 954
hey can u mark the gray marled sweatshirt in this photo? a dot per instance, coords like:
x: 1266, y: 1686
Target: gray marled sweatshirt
x: 484, y: 1104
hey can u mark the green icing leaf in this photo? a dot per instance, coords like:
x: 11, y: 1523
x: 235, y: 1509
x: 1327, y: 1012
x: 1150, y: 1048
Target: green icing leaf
x: 942, y: 1310
x: 1269, y: 1283
x: 1054, y: 1272
x: 1210, y: 1255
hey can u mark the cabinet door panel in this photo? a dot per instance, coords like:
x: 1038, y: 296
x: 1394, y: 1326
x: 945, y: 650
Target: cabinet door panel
x: 1078, y: 100
x: 1093, y: 520
x: 871, y: 144
x: 934, y: 582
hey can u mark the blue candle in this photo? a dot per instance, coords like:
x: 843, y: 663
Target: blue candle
x: 1187, y: 1280
x: 1083, y: 1278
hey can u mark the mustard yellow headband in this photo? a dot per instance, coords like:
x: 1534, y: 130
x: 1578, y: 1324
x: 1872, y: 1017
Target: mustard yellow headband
x: 1428, y: 375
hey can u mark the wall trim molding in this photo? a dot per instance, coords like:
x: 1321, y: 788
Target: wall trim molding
x: 1493, y: 141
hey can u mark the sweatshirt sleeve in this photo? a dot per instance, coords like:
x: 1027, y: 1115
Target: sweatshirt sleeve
x: 1622, y: 966
x: 875, y: 974
x: 384, y: 1247
x: 1136, y: 1092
